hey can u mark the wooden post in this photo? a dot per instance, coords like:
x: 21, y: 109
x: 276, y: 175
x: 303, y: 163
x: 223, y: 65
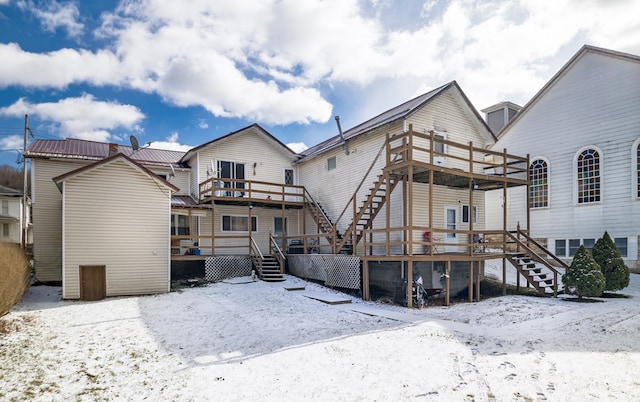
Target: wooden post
x: 504, y: 276
x: 448, y: 283
x: 470, y: 281
x: 478, y: 273
x: 409, y: 284
x: 366, y: 295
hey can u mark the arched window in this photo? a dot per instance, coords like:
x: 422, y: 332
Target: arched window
x: 539, y: 189
x: 588, y: 176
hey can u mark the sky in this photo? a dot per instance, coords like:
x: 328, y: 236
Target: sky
x: 179, y: 76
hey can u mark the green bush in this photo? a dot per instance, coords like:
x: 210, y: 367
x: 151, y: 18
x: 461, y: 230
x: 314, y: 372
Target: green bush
x: 583, y: 276
x: 606, y: 254
x: 14, y: 268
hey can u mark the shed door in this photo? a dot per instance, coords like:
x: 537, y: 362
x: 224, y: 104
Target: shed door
x: 93, y: 282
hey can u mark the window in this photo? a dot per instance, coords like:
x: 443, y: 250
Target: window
x: 179, y: 225
x: 439, y: 149
x: 588, y: 243
x: 621, y: 244
x: 574, y: 245
x: 539, y: 190
x: 465, y: 214
x: 5, y: 207
x: 588, y: 176
x: 561, y: 248
x: 238, y: 223
x: 331, y: 163
x: 279, y: 227
x: 5, y: 230
x: 288, y: 177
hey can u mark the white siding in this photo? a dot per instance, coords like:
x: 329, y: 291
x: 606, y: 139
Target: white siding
x: 47, y: 217
x: 595, y: 103
x: 129, y: 235
x: 249, y: 147
x: 333, y: 188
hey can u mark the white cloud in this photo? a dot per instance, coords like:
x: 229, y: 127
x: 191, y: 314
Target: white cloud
x: 171, y: 144
x: 4, y: 2
x: 11, y: 143
x: 57, y: 69
x: 202, y: 123
x: 269, y: 62
x: 297, y: 147
x: 54, y: 15
x: 81, y: 117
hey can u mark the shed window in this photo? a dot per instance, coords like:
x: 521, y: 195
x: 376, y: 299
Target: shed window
x: 539, y: 190
x: 588, y: 176
x: 331, y: 163
x: 238, y: 223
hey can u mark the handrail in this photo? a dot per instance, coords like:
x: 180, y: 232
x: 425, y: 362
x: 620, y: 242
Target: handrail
x: 355, y: 193
x: 539, y: 259
x: 541, y: 247
x: 279, y: 255
x: 316, y: 206
x: 256, y: 249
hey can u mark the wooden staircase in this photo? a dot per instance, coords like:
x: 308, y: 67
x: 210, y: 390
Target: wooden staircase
x: 371, y: 206
x: 269, y: 268
x: 532, y: 262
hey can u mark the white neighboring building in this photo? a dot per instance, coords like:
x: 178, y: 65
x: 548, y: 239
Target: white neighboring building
x: 582, y: 134
x: 12, y: 216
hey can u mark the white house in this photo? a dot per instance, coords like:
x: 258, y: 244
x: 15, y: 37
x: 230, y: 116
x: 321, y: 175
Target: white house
x: 582, y: 134
x: 13, y: 219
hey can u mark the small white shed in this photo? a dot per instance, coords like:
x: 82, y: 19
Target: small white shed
x: 115, y: 230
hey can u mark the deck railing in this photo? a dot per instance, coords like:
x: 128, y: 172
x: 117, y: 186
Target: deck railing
x: 218, y: 189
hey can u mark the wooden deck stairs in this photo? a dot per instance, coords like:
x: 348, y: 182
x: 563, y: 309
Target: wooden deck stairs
x: 533, y: 262
x: 371, y: 206
x: 270, y: 267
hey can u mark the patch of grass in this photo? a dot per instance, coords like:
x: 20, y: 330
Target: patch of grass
x: 14, y: 266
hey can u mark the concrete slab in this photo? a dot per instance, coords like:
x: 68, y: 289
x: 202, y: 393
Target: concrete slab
x: 327, y: 298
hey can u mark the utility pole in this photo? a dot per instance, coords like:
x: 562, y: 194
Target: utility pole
x: 25, y: 210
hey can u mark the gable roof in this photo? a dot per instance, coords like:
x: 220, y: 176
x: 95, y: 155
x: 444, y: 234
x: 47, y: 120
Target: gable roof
x: 572, y: 62
x: 73, y: 148
x: 135, y: 165
x: 400, y: 112
x: 10, y: 192
x: 285, y: 149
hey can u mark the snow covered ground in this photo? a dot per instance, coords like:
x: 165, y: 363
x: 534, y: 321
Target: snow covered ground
x: 258, y: 341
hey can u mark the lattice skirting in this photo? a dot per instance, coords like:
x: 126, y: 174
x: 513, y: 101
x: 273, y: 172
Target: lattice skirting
x: 226, y: 266
x: 341, y: 271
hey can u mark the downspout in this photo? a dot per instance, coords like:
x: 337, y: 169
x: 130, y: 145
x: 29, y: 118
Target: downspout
x: 345, y: 146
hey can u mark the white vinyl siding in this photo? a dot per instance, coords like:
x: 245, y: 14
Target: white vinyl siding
x: 130, y: 235
x: 593, y: 104
x: 47, y: 217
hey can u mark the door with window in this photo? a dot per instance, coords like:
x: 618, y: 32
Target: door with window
x: 232, y: 170
x: 451, y: 223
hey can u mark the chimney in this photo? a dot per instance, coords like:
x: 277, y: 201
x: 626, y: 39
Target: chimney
x: 113, y: 149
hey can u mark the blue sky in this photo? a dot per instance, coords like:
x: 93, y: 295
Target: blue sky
x: 178, y: 76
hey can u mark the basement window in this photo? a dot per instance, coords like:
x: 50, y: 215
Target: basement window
x: 561, y: 248
x: 621, y: 245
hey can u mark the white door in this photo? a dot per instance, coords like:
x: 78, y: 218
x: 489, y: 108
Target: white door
x: 451, y: 223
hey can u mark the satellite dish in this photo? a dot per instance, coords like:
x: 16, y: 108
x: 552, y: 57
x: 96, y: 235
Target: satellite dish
x: 134, y: 142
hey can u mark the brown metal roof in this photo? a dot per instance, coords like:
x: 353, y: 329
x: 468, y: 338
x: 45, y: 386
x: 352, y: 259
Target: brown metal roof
x: 72, y: 148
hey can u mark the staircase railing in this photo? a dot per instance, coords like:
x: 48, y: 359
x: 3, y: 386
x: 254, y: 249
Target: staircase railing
x: 256, y: 255
x: 277, y: 252
x: 548, y: 253
x: 534, y: 256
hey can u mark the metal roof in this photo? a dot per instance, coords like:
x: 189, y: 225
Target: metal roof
x: 399, y: 112
x: 10, y: 192
x: 72, y: 148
